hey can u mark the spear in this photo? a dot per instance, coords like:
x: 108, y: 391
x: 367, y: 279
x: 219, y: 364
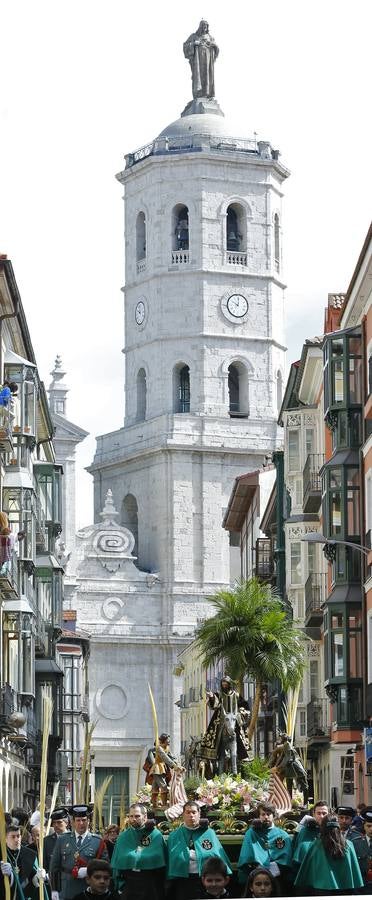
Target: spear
x: 110, y: 813
x: 47, y: 722
x: 4, y: 853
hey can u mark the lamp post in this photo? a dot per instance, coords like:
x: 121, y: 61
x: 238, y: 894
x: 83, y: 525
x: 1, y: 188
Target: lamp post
x: 330, y: 544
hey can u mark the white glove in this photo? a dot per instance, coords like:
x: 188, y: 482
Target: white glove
x: 6, y: 868
x: 82, y: 872
x: 55, y: 895
x: 41, y: 873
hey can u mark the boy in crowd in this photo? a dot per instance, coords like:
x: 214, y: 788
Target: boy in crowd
x: 99, y: 875
x: 214, y: 878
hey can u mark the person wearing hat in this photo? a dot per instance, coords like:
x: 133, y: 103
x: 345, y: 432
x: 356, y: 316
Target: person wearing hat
x: 226, y: 701
x: 188, y: 848
x: 158, y: 765
x: 60, y: 822
x: 362, y: 843
x: 20, y: 866
x: 71, y: 854
x: 139, y: 858
x: 345, y: 815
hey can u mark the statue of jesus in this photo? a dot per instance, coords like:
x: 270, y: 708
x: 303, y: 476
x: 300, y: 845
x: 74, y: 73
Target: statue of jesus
x: 201, y: 50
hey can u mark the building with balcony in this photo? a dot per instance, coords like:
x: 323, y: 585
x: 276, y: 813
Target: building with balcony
x: 31, y: 582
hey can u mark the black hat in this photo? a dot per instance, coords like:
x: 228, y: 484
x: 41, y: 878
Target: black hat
x: 164, y: 736
x: 366, y: 815
x: 227, y: 679
x: 345, y: 811
x: 60, y: 813
x: 81, y: 809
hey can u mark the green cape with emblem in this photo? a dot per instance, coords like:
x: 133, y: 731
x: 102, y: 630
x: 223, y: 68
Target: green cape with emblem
x: 138, y: 848
x: 319, y: 871
x: 261, y: 847
x: 205, y: 843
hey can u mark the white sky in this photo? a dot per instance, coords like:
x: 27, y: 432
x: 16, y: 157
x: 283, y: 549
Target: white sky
x: 83, y: 82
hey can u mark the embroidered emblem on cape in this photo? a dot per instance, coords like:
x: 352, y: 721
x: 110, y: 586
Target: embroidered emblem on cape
x: 207, y: 844
x: 280, y: 843
x: 145, y: 842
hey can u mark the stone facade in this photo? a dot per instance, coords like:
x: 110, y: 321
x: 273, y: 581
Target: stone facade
x: 204, y: 352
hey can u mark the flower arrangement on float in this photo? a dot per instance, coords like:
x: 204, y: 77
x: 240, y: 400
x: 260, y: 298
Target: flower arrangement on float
x: 231, y: 792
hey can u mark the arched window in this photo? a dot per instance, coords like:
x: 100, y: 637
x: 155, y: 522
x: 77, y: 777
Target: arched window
x: 141, y: 237
x: 129, y: 518
x: 238, y: 390
x: 141, y: 395
x: 180, y: 228
x: 276, y: 243
x: 233, y: 235
x: 181, y: 389
x: 236, y: 234
x: 279, y: 390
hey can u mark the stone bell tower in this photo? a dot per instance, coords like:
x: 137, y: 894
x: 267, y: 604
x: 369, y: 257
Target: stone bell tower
x: 204, y: 347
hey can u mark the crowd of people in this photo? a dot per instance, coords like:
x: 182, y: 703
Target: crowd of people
x: 329, y: 853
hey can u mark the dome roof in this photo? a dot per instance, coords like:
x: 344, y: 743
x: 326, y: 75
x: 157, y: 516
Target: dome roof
x: 198, y: 123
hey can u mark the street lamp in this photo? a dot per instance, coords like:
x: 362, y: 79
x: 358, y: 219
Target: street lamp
x: 330, y: 544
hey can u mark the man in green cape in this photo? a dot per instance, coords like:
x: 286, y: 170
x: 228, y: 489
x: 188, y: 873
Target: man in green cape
x: 319, y: 871
x: 139, y: 858
x: 189, y: 846
x: 308, y: 831
x: 265, y: 845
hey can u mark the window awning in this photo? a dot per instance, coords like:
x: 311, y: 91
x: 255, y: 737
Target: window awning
x: 47, y: 667
x: 14, y: 360
x: 21, y: 606
x: 47, y: 561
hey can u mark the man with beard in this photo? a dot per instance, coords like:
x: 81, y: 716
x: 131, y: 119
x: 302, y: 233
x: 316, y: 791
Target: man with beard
x: 139, y: 858
x: 20, y: 867
x: 266, y: 845
x: 225, y: 702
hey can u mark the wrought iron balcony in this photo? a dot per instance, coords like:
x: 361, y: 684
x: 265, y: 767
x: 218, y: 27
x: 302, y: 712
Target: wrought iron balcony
x: 265, y: 563
x: 312, y: 483
x: 315, y: 596
x: 6, y: 431
x: 9, y: 581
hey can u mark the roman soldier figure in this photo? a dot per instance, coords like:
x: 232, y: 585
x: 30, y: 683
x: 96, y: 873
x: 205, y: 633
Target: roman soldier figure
x: 158, y: 765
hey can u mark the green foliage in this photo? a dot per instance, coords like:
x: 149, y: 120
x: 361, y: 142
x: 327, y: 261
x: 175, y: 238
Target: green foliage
x: 191, y: 784
x: 256, y: 768
x: 251, y: 631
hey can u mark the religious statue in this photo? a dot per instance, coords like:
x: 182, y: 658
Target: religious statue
x: 286, y: 763
x: 225, y: 741
x: 201, y: 50
x: 158, y: 767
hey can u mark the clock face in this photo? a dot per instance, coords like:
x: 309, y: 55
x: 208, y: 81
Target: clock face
x: 140, y: 312
x: 237, y: 306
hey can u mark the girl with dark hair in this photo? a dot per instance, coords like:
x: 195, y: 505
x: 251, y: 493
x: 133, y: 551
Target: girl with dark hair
x: 330, y: 865
x: 261, y: 883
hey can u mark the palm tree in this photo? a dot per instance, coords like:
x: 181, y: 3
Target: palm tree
x: 252, y: 633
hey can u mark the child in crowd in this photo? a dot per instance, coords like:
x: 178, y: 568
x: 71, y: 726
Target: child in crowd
x: 261, y: 883
x: 99, y: 875
x: 215, y: 878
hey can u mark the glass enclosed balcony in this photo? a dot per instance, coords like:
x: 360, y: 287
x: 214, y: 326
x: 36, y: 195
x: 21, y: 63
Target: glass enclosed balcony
x: 23, y: 373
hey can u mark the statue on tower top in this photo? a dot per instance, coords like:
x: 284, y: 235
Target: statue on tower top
x: 201, y: 50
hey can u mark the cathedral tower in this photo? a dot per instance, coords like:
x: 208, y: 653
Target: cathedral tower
x: 204, y: 349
